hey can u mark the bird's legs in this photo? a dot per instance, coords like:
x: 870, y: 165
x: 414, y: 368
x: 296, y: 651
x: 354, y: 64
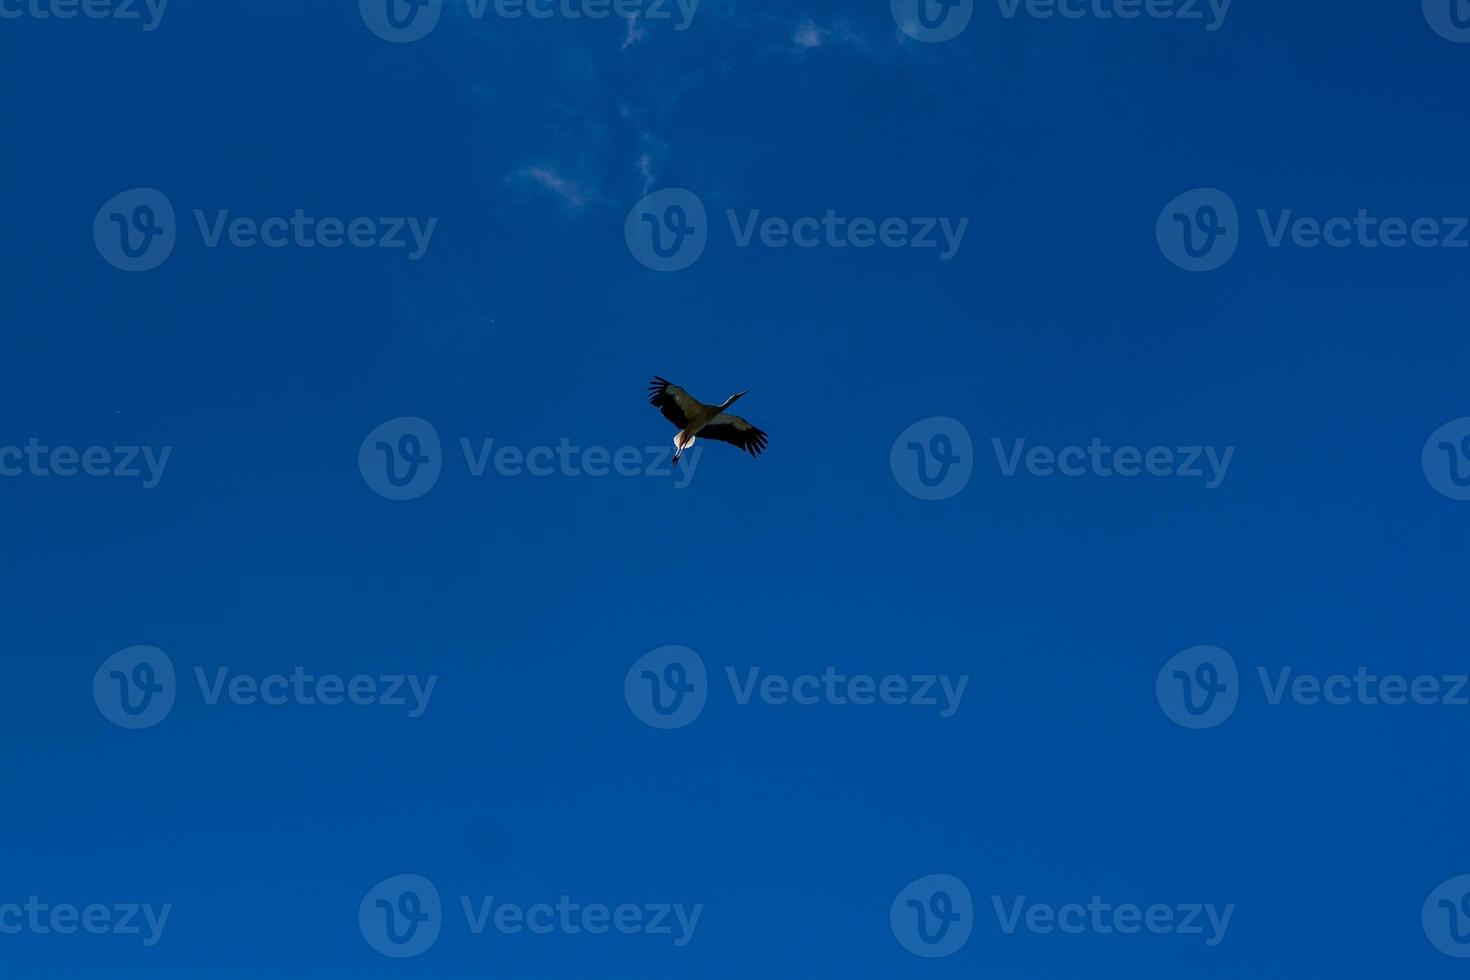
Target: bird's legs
x: 682, y: 441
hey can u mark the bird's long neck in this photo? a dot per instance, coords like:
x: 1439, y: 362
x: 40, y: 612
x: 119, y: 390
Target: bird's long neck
x: 728, y: 402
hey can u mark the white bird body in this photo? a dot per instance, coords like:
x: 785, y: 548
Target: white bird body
x: 695, y: 418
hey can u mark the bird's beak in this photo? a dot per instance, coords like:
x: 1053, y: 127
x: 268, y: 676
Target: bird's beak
x: 743, y: 393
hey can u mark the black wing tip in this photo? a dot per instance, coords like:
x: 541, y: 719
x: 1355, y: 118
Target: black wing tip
x: 754, y: 442
x: 747, y: 440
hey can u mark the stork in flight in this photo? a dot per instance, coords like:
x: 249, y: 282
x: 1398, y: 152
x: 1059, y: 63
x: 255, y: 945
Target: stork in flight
x: 694, y: 418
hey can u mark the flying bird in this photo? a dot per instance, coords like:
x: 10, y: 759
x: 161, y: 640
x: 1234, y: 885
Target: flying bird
x: 695, y: 418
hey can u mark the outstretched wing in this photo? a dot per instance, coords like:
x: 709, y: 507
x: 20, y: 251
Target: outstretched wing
x: 736, y: 431
x: 676, y: 404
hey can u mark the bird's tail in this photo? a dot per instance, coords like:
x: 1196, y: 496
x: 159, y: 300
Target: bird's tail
x: 681, y: 443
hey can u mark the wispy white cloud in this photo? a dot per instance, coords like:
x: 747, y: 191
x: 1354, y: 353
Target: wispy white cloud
x: 651, y: 152
x: 808, y: 35
x: 634, y: 32
x: 645, y: 170
x: 573, y: 193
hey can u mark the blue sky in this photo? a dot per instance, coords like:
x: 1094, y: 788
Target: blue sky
x: 249, y: 386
